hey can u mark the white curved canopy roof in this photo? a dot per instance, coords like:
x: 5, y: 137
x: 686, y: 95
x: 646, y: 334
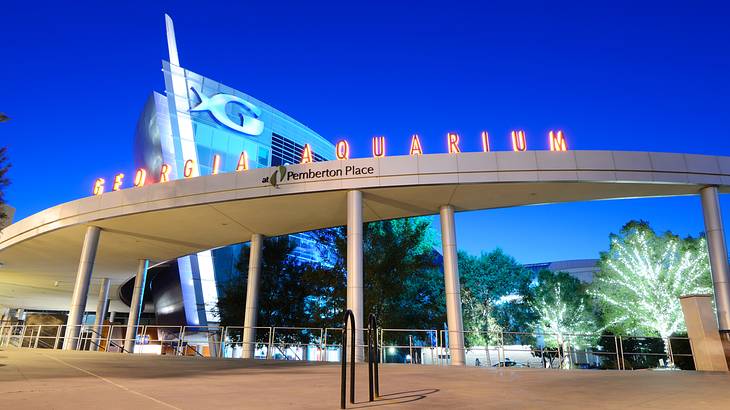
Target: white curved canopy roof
x: 167, y: 220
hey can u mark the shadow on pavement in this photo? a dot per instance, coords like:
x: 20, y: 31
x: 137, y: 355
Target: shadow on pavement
x: 398, y: 398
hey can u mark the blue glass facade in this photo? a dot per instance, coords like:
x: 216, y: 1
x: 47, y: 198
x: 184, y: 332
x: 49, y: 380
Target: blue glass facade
x: 197, y: 119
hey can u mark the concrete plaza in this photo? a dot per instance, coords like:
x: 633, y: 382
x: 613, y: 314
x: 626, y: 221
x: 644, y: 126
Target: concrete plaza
x: 37, y: 379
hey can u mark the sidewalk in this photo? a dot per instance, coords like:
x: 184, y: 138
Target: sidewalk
x: 39, y: 379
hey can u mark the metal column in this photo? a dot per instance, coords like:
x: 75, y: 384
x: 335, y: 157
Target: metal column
x: 81, y: 288
x: 135, y: 309
x: 101, y: 307
x: 252, y: 296
x: 453, y: 289
x: 718, y: 255
x: 354, y: 268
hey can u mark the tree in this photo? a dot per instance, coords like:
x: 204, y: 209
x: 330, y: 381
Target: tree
x: 479, y: 324
x: 492, y: 285
x: 283, y: 287
x: 402, y: 280
x: 560, y: 304
x: 4, y: 181
x: 642, y: 276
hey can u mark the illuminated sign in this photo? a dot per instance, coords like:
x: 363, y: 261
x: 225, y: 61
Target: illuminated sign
x: 307, y: 155
x: 140, y: 177
x: 453, y: 139
x: 342, y: 149
x: 216, y: 164
x: 165, y: 173
x: 378, y: 147
x: 98, y: 186
x: 189, y: 169
x: 416, y: 148
x: 242, y: 162
x: 519, y: 143
x: 556, y: 140
x: 117, y: 182
x: 249, y: 122
x: 485, y: 141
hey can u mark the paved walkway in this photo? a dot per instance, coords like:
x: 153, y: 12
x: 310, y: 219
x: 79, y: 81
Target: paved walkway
x: 37, y: 379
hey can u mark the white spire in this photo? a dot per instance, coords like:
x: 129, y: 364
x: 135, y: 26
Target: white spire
x: 171, y: 43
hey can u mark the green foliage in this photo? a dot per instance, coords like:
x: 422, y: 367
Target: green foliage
x: 402, y: 279
x: 479, y: 323
x: 284, y: 287
x: 490, y: 276
x: 4, y: 181
x: 486, y: 280
x: 561, y: 308
x: 643, y: 275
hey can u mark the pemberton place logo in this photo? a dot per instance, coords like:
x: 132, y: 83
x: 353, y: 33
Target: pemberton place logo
x: 556, y: 141
x: 281, y: 174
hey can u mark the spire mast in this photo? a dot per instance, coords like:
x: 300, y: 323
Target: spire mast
x: 171, y: 43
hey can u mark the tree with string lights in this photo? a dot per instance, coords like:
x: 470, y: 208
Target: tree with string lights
x: 642, y: 276
x: 562, y: 310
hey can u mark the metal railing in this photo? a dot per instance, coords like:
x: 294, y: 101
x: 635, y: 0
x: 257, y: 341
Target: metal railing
x: 405, y: 346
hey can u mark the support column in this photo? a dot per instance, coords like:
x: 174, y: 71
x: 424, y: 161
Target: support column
x: 252, y: 296
x: 101, y: 307
x: 453, y: 288
x: 135, y: 309
x: 354, y: 268
x: 718, y: 255
x: 81, y: 288
x: 112, y: 317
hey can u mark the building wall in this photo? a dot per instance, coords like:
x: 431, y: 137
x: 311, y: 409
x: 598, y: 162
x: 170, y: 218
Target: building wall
x: 581, y: 269
x: 197, y: 119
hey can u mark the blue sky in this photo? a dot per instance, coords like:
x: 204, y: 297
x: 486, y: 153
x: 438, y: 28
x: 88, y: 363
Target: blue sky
x: 614, y: 75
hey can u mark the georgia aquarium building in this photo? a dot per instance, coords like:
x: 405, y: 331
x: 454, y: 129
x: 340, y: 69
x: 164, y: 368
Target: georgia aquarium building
x: 200, y: 127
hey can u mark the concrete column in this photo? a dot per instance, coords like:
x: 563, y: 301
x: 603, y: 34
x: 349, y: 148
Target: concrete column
x: 702, y: 331
x: 101, y: 307
x: 718, y: 255
x: 252, y: 296
x: 112, y: 316
x: 354, y: 268
x: 453, y: 288
x: 135, y: 309
x: 81, y: 288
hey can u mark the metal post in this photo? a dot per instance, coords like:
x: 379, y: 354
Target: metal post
x: 81, y: 288
x: 410, y: 347
x: 621, y: 345
x: 37, y: 336
x: 252, y: 296
x: 58, y: 337
x: 718, y: 255
x: 270, y: 347
x: 354, y: 268
x: 135, y: 309
x: 453, y: 289
x: 101, y: 307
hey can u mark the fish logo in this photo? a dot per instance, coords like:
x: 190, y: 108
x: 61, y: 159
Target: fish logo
x: 278, y: 176
x: 216, y: 105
